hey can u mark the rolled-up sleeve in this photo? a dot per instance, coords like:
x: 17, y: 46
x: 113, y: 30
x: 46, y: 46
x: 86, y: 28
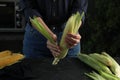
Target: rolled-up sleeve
x: 29, y: 8
x: 80, y: 5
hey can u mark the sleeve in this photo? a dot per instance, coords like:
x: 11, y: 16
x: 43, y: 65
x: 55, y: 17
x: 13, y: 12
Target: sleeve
x: 80, y: 5
x: 29, y: 8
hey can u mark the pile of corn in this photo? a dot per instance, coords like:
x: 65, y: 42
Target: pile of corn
x: 72, y: 26
x: 105, y: 66
x: 8, y: 58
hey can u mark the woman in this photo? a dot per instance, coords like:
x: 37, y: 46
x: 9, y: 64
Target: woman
x: 55, y: 14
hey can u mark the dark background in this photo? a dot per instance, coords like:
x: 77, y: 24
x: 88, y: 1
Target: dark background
x: 100, y: 31
x: 11, y: 37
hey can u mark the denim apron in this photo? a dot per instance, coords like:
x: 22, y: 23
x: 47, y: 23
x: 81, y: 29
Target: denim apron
x: 34, y: 43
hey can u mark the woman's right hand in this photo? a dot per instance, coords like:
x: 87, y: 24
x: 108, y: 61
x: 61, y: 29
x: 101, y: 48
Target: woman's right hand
x: 54, y: 48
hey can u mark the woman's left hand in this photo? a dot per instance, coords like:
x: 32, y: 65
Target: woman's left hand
x: 72, y: 39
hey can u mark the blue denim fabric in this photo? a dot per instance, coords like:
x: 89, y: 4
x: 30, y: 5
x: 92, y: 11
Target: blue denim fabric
x: 34, y: 44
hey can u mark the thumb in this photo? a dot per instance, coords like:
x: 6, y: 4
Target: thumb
x: 54, y: 37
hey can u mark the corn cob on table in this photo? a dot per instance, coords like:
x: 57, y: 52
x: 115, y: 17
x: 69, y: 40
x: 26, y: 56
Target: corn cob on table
x: 41, y: 69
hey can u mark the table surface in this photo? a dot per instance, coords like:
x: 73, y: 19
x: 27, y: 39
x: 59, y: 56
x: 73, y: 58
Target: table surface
x: 42, y: 69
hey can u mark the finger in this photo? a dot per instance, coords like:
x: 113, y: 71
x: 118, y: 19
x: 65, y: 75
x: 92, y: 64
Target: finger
x: 55, y: 38
x: 56, y: 49
x: 76, y: 36
x: 70, y: 45
x: 71, y: 40
x: 50, y: 45
x: 54, y: 53
x: 53, y: 47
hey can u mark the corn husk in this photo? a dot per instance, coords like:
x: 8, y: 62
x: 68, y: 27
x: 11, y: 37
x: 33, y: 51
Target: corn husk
x: 72, y: 26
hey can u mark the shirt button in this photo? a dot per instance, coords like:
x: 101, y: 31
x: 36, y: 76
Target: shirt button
x: 54, y: 0
x: 54, y: 14
x: 53, y: 28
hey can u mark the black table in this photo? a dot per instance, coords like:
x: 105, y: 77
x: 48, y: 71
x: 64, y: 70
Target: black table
x: 41, y: 69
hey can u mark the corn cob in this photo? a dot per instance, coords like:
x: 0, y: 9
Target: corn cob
x: 95, y: 76
x: 77, y: 22
x: 11, y: 59
x: 5, y: 53
x: 39, y: 25
x: 115, y: 67
x: 46, y: 27
x: 72, y: 26
x: 93, y: 63
x: 108, y: 76
x: 101, y: 58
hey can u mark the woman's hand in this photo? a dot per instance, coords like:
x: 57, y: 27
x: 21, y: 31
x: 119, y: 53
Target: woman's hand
x: 54, y: 48
x: 72, y: 39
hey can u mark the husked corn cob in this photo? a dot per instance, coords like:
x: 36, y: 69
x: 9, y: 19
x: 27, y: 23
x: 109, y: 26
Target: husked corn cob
x: 5, y: 53
x: 72, y: 26
x: 11, y: 59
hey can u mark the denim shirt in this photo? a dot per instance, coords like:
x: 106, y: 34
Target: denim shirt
x: 53, y: 11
